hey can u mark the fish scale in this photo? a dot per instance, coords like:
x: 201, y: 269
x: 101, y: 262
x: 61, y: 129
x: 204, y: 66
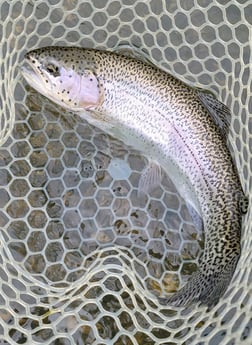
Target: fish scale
x: 174, y: 125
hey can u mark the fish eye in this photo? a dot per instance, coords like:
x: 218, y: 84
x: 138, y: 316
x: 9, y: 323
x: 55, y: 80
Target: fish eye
x: 52, y: 69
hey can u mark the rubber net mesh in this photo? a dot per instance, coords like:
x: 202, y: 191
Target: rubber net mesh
x: 82, y: 258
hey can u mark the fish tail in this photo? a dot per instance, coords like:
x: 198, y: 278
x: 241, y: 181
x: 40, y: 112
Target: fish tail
x: 206, y: 285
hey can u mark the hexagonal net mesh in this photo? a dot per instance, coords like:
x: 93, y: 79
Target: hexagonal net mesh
x: 82, y: 257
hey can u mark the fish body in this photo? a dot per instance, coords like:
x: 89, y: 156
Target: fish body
x: 168, y: 121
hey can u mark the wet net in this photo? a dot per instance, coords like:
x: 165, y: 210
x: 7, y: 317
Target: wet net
x: 82, y: 258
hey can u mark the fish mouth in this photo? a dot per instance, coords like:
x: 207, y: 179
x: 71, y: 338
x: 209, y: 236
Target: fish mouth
x: 36, y: 78
x: 31, y: 75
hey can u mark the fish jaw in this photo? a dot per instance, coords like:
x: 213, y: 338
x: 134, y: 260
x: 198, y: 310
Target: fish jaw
x: 66, y: 87
x: 32, y: 78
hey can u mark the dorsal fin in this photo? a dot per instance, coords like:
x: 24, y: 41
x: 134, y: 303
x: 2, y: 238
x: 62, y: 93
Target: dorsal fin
x: 133, y: 52
x: 219, y: 111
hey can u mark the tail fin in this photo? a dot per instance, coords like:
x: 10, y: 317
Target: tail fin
x: 206, y: 286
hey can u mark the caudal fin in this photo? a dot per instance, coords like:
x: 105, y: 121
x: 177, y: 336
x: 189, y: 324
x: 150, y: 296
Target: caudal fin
x: 205, y: 286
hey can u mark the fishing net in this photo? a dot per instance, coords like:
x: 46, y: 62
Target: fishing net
x: 82, y: 257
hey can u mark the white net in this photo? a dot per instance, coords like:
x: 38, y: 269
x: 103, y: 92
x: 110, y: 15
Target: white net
x: 82, y: 259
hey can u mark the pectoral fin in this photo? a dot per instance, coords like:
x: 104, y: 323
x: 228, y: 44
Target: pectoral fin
x: 196, y: 218
x: 151, y: 178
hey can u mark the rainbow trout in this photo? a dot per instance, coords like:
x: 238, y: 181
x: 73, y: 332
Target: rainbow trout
x: 181, y: 129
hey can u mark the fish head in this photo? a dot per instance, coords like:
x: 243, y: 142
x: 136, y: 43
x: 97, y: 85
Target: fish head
x: 64, y: 77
